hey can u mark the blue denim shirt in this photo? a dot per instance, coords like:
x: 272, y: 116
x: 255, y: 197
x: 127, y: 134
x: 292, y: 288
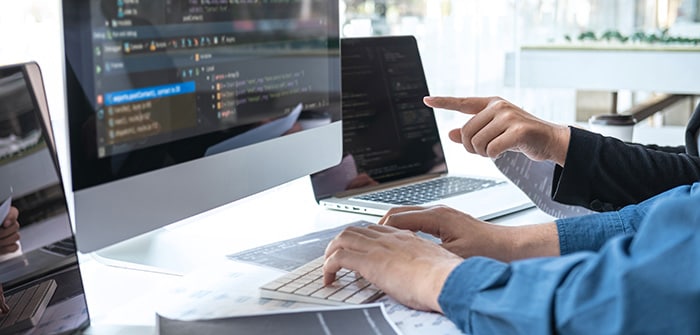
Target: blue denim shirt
x: 635, y: 271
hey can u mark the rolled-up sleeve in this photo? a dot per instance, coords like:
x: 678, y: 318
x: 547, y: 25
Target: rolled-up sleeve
x: 590, y: 232
x: 648, y: 282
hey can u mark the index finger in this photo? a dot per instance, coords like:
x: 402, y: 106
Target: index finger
x: 465, y: 105
x: 395, y: 210
x: 4, y: 308
x: 344, y: 250
x: 423, y: 220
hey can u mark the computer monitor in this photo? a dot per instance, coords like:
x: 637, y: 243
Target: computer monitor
x: 176, y: 107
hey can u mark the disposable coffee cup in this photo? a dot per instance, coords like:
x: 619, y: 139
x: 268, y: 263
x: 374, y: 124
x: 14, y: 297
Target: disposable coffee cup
x: 614, y: 125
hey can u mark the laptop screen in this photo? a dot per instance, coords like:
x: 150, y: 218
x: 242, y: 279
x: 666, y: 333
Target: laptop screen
x: 388, y: 133
x: 30, y: 183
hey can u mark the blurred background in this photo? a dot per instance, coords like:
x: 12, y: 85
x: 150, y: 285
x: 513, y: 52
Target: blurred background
x: 480, y: 48
x: 464, y: 45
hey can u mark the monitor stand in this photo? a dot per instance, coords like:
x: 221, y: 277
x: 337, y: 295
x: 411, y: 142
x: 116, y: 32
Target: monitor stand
x: 158, y: 251
x: 183, y: 246
x: 208, y: 237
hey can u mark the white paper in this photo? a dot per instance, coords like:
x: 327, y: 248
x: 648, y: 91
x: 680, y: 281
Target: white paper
x: 222, y: 290
x: 411, y: 321
x: 370, y: 318
x: 232, y: 289
x: 534, y: 178
x: 5, y: 209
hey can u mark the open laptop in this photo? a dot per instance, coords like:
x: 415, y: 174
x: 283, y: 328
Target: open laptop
x: 41, y: 280
x: 392, y: 150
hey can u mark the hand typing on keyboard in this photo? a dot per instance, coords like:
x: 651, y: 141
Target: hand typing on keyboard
x: 305, y: 284
x: 9, y: 236
x: 403, y: 265
x: 4, y: 308
x: 9, y: 232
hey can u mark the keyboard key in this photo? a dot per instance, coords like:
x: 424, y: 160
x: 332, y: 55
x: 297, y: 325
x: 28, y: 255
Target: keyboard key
x: 342, y: 294
x: 308, y: 290
x: 431, y: 190
x: 287, y: 288
x: 305, y: 284
x: 363, y: 296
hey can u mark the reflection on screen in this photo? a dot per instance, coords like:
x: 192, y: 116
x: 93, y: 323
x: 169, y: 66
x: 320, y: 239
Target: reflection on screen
x: 388, y: 133
x: 156, y: 83
x: 29, y: 182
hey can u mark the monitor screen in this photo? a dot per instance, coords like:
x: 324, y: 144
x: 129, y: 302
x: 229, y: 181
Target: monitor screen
x: 44, y: 259
x: 177, y: 107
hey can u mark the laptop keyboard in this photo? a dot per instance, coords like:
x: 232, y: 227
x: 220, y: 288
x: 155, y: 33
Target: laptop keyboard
x: 26, y: 307
x: 431, y: 190
x: 64, y: 247
x: 305, y: 284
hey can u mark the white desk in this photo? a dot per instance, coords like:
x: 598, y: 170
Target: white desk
x: 122, y: 301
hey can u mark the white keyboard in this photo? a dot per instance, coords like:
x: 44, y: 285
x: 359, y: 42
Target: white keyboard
x: 305, y: 284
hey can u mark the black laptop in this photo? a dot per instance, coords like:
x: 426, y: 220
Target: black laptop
x: 41, y: 279
x: 393, y: 155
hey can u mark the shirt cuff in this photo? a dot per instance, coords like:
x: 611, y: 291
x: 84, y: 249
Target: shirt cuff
x: 463, y: 284
x: 588, y: 232
x: 571, y: 183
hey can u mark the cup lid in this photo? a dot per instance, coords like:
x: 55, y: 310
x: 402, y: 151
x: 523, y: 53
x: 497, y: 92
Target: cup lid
x: 613, y: 119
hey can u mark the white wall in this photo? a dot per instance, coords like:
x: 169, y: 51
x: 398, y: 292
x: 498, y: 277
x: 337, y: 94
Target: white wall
x: 31, y: 31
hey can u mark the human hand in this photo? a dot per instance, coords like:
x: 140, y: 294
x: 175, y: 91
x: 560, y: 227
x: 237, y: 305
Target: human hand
x: 466, y: 236
x: 499, y: 126
x: 406, y: 267
x: 4, y: 308
x: 9, y: 232
x: 460, y: 233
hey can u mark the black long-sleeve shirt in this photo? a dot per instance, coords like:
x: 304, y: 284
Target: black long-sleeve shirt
x: 604, y: 173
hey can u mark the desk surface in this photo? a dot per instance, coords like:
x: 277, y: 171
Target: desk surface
x: 122, y: 300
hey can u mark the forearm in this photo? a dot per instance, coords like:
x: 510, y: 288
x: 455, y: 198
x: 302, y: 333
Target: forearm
x: 634, y: 284
x: 590, y: 232
x: 538, y: 240
x: 566, y: 236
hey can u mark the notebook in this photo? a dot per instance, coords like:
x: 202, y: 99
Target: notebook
x: 41, y: 279
x: 391, y: 143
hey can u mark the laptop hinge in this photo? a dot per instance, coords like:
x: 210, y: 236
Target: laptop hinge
x: 384, y: 186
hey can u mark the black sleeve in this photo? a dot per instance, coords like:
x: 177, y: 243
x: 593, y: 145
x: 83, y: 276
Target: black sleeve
x: 604, y: 173
x: 670, y: 149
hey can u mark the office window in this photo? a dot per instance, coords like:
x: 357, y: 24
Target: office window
x: 464, y: 43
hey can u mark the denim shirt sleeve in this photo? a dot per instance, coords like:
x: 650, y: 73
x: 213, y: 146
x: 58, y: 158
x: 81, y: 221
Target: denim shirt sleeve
x: 646, y: 282
x: 590, y: 232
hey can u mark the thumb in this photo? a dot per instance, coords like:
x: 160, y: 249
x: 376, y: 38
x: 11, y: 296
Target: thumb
x: 455, y: 135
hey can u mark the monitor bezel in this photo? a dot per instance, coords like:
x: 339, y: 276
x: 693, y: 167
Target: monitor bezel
x: 120, y: 210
